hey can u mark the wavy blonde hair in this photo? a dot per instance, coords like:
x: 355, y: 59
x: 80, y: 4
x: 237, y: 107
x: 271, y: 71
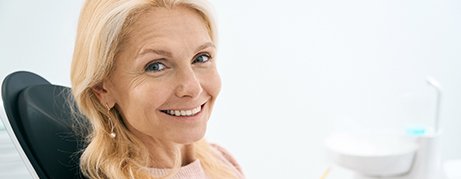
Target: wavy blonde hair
x: 102, y: 29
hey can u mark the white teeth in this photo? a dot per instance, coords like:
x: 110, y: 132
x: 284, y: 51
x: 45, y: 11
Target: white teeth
x: 184, y: 112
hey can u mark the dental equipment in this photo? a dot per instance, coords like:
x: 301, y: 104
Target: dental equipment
x: 432, y: 82
x: 386, y: 156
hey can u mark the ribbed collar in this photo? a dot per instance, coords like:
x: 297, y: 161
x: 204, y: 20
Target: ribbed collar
x: 191, y: 170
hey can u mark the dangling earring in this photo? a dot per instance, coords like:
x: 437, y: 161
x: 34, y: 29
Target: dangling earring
x: 112, y: 133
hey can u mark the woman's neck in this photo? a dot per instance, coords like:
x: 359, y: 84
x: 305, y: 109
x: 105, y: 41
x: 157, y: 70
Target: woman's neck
x: 164, y: 154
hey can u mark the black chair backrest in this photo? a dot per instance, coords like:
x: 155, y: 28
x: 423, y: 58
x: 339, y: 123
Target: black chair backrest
x: 40, y: 115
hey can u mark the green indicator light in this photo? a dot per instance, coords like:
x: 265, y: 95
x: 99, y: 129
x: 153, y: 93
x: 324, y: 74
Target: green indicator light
x: 416, y: 131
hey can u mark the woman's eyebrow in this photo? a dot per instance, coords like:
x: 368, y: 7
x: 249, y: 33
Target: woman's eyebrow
x: 156, y: 51
x: 204, y: 46
x: 169, y: 54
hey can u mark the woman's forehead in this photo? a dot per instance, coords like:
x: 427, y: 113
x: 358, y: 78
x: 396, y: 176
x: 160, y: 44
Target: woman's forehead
x: 161, y: 20
x: 168, y: 27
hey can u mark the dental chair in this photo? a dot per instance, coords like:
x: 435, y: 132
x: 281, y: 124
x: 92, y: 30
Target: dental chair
x: 41, y: 125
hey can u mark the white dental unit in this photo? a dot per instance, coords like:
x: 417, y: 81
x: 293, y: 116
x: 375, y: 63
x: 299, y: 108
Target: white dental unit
x: 385, y: 156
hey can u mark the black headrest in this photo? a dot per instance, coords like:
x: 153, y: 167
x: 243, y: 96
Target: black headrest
x: 46, y: 116
x: 40, y: 116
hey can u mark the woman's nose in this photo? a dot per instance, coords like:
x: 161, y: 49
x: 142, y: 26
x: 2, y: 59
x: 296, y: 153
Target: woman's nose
x: 188, y: 84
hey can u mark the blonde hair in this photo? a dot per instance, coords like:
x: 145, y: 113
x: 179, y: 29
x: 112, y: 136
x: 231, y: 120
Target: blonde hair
x: 102, y: 29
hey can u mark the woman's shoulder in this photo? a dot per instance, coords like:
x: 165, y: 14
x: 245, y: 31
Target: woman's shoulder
x: 227, y: 157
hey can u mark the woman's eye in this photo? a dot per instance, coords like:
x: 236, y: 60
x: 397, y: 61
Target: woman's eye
x: 203, y: 58
x: 155, y: 67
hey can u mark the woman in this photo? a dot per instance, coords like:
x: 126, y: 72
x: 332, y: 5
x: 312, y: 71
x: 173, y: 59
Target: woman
x: 144, y: 74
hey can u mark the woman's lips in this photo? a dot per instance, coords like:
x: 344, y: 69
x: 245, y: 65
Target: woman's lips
x: 184, y: 112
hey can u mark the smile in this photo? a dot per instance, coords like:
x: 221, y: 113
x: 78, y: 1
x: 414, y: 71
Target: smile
x: 190, y: 112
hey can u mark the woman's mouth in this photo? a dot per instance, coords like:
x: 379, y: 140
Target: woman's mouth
x: 187, y: 112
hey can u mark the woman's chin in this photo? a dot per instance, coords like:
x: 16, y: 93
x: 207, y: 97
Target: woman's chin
x: 190, y: 137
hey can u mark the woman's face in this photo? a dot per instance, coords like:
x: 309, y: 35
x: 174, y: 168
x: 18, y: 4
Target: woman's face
x: 165, y: 80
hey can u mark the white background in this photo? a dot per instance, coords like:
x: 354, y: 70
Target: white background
x: 293, y: 71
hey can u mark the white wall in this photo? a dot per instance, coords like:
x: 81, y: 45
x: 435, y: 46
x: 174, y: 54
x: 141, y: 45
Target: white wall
x: 293, y: 71
x: 38, y: 36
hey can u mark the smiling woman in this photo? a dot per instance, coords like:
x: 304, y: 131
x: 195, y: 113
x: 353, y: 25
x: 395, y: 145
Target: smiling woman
x: 144, y: 74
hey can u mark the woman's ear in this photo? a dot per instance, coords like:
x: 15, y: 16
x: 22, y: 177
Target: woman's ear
x: 104, y: 95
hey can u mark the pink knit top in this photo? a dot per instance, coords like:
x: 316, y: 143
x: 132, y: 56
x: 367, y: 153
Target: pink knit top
x: 194, y: 170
